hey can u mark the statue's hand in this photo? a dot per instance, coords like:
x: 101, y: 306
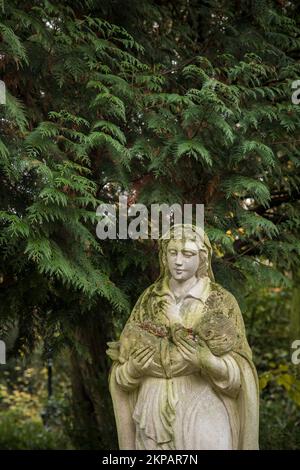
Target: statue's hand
x: 199, y: 354
x: 180, y: 366
x: 141, y: 360
x: 219, y: 343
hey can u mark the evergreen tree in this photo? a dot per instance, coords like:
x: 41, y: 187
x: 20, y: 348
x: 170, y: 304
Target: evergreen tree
x: 170, y: 101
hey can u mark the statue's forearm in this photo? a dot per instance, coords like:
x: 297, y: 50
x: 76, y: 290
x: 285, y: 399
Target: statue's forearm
x: 126, y: 378
x: 215, y: 367
x: 224, y: 373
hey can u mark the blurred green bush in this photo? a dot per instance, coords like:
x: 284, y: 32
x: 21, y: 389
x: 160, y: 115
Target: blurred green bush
x: 267, y: 317
x: 28, y: 419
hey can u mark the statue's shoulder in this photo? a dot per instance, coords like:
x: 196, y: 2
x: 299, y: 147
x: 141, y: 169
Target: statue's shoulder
x: 146, y: 294
x: 218, y: 294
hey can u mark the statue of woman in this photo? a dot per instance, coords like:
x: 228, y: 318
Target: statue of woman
x: 182, y: 374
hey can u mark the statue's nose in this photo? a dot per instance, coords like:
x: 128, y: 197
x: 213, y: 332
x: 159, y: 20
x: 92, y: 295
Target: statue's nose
x: 178, y: 259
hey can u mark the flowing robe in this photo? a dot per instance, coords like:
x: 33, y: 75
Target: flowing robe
x: 179, y: 406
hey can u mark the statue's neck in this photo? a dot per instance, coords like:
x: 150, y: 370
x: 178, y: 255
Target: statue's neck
x: 181, y: 288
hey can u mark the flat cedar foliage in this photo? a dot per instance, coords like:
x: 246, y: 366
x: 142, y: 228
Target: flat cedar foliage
x: 168, y: 102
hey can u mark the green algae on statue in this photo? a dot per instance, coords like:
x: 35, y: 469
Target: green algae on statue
x: 182, y: 374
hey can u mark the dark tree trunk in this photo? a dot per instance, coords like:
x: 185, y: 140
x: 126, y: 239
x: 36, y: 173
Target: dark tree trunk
x: 94, y: 426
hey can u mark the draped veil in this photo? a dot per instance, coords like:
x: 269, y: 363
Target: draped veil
x: 242, y: 409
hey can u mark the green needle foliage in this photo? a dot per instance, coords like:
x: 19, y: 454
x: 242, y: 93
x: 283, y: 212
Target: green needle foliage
x: 180, y: 101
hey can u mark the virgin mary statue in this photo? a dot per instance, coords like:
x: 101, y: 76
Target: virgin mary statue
x: 182, y: 376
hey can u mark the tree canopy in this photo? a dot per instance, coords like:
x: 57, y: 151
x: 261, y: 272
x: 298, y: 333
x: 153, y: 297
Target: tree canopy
x: 167, y: 102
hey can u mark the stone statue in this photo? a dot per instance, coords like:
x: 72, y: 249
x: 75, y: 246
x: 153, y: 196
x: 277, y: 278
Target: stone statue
x: 182, y: 376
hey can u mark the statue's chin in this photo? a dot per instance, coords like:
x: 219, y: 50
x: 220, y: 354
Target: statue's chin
x: 180, y: 277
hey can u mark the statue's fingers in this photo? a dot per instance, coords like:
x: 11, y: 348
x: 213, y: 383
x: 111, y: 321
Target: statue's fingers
x: 189, y: 340
x: 148, y: 361
x: 221, y: 338
x: 215, y: 343
x: 189, y: 349
x: 182, y: 339
x: 175, y: 339
x: 218, y: 342
x: 145, y: 350
x: 180, y: 331
x: 183, y: 352
x: 147, y: 355
x: 143, y: 355
x: 188, y: 343
x: 140, y: 351
x: 135, y: 349
x: 186, y: 348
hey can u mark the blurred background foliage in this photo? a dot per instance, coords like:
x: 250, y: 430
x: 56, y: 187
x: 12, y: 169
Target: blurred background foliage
x: 268, y: 326
x: 30, y: 419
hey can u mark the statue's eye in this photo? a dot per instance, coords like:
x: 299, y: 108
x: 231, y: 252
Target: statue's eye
x: 173, y: 252
x: 188, y: 254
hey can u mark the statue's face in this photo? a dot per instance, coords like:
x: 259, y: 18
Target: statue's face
x: 182, y: 258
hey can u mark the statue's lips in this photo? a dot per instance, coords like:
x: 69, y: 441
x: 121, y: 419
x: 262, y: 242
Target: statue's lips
x: 179, y: 271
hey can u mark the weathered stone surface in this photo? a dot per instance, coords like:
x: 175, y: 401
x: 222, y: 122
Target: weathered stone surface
x: 182, y: 374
